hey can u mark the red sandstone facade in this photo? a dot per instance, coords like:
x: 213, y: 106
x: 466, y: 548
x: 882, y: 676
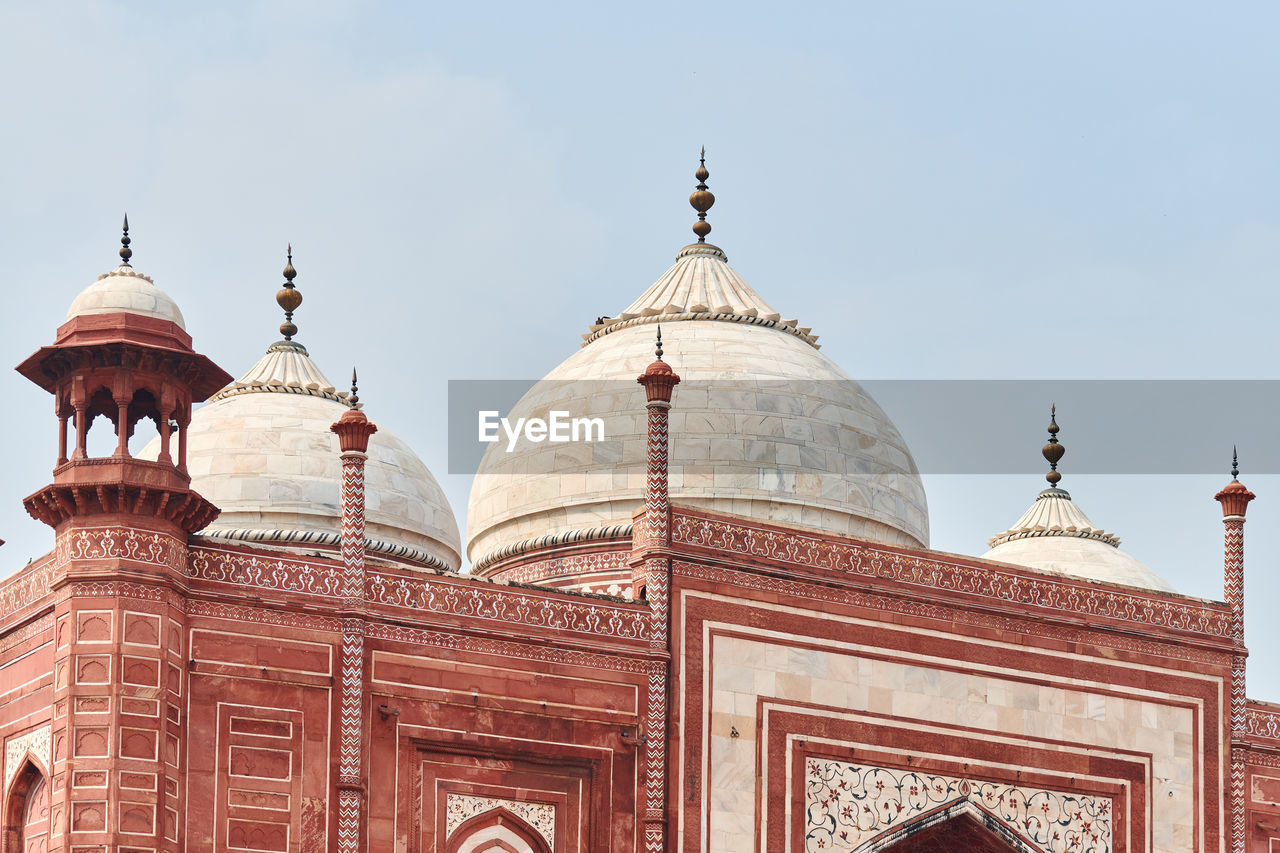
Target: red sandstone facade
x: 162, y: 693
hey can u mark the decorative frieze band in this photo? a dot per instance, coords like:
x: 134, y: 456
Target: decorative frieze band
x: 504, y: 648
x: 854, y: 597
x: 250, y: 570
x: 121, y: 543
x: 1003, y: 585
x: 26, y: 588
x: 428, y: 593
x: 478, y: 599
x: 1262, y: 723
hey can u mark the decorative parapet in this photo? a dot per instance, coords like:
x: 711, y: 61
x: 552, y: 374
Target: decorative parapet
x: 719, y: 537
x: 482, y: 600
x: 1263, y: 722
x: 26, y: 587
x: 433, y: 594
x: 257, y: 572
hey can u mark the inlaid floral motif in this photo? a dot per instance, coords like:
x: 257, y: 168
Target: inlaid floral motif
x: 37, y: 741
x: 847, y: 806
x: 460, y: 808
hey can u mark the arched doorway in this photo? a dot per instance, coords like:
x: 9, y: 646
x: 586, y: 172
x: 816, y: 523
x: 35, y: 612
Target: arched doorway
x: 26, y: 814
x: 497, y: 831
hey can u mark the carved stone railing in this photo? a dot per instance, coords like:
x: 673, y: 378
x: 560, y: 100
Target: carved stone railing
x: 736, y: 539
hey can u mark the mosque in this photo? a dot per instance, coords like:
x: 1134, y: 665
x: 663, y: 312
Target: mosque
x: 720, y: 628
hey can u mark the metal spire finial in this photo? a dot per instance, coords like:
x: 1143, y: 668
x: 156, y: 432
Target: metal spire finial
x: 702, y: 199
x: 125, y: 252
x: 1053, y: 451
x: 1235, y: 464
x: 354, y: 399
x: 658, y: 349
x: 289, y: 298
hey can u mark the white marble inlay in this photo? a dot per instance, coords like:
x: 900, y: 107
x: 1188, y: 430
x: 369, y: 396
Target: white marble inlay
x: 38, y: 741
x: 848, y: 805
x: 460, y: 808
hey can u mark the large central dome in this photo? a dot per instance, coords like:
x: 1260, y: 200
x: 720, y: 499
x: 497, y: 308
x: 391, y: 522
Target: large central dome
x: 763, y: 425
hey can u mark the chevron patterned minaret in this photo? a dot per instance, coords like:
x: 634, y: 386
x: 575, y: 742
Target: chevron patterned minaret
x: 652, y: 575
x: 1235, y: 502
x: 353, y: 430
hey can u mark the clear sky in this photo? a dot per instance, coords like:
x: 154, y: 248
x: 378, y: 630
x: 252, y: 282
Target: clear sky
x: 941, y: 190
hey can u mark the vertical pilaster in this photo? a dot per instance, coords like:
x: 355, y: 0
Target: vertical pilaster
x: 353, y: 430
x: 653, y: 575
x: 1235, y: 500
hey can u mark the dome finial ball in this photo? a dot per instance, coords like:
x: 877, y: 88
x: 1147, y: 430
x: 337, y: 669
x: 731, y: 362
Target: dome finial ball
x: 289, y: 298
x: 701, y: 200
x: 1053, y: 451
x: 125, y: 252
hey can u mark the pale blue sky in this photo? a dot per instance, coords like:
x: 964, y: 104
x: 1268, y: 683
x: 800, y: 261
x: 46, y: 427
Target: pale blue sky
x: 942, y: 190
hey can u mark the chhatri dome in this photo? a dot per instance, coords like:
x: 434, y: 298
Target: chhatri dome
x: 763, y: 425
x: 261, y: 450
x: 1055, y: 535
x: 125, y: 290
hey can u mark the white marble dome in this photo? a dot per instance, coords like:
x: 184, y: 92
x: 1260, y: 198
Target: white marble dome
x: 261, y: 450
x: 1055, y: 535
x: 763, y: 425
x: 125, y: 290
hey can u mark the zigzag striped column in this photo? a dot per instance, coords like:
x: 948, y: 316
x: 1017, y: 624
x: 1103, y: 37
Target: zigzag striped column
x: 353, y: 430
x: 1235, y: 502
x: 653, y: 573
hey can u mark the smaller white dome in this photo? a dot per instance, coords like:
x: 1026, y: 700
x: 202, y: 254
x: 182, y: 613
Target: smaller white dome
x: 1055, y: 535
x: 124, y: 290
x: 261, y: 451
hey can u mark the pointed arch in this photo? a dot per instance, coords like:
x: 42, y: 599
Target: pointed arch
x: 26, y: 809
x: 496, y: 831
x: 961, y: 825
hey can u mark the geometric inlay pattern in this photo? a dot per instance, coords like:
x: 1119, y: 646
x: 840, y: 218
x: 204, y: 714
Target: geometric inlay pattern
x: 37, y: 741
x: 462, y: 807
x: 848, y: 805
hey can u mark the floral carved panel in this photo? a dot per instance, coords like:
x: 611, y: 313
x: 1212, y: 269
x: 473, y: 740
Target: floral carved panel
x: 37, y: 741
x: 849, y: 806
x: 460, y: 808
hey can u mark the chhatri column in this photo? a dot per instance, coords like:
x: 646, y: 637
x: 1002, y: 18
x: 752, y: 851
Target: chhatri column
x: 652, y: 568
x: 353, y: 430
x: 1235, y: 501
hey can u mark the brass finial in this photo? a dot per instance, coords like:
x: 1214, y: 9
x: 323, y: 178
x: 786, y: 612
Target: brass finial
x: 354, y: 399
x: 1053, y: 451
x: 702, y: 199
x: 1235, y: 464
x: 289, y: 298
x: 125, y: 252
x: 657, y: 351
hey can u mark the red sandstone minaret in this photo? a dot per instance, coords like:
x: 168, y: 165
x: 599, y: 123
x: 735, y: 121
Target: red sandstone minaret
x: 353, y: 430
x: 1235, y: 500
x: 122, y: 524
x: 652, y: 568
